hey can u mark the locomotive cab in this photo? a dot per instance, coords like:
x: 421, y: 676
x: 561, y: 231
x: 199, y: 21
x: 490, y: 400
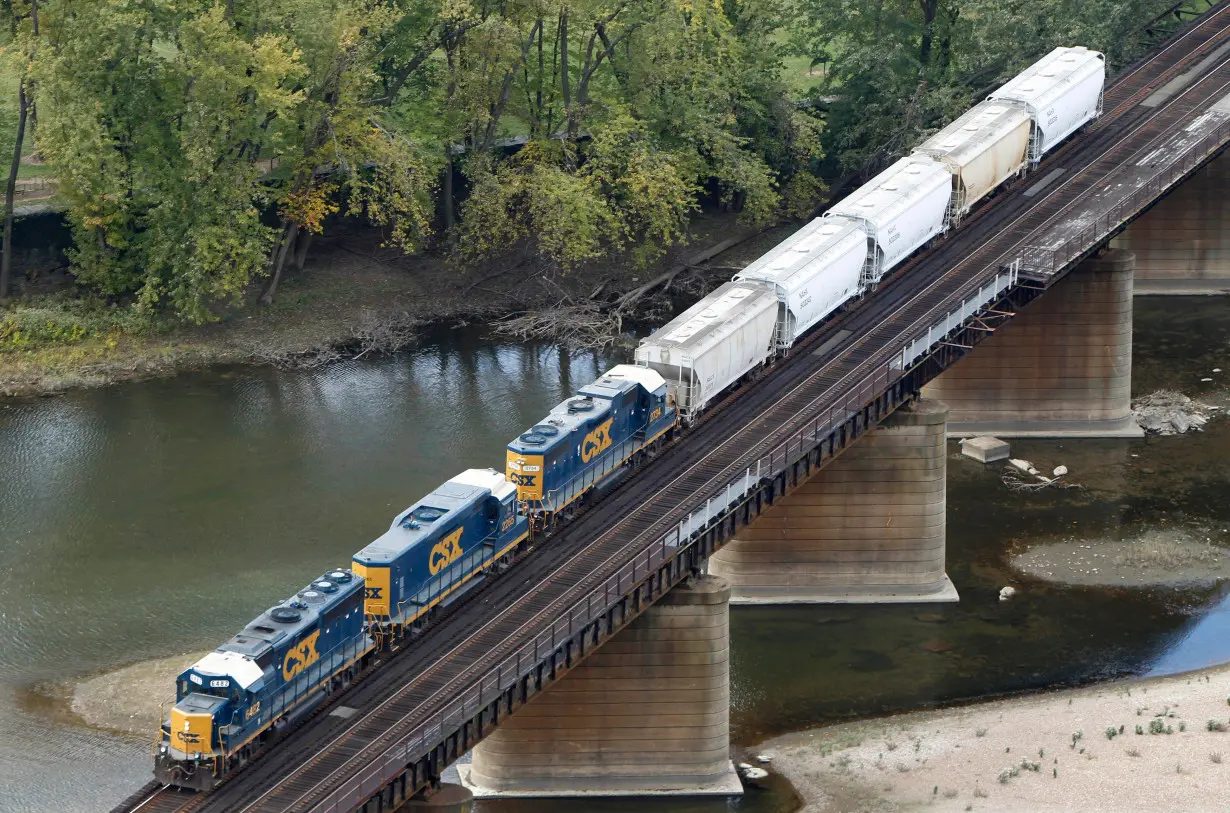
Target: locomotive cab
x: 211, y: 698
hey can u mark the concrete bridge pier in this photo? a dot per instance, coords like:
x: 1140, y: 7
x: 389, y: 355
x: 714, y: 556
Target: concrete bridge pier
x: 646, y: 714
x: 868, y: 528
x: 1061, y: 368
x: 1182, y: 244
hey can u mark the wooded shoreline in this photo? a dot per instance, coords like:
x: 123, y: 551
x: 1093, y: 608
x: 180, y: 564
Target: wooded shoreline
x: 358, y: 301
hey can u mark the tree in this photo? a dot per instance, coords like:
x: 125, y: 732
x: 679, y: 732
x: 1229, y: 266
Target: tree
x: 173, y: 128
x: 902, y: 68
x: 24, y: 35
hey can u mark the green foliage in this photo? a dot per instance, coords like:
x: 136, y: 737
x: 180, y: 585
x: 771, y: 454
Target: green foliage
x: 193, y: 140
x: 65, y: 320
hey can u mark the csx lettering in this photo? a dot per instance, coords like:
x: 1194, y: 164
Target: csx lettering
x: 188, y: 737
x: 596, y: 442
x: 373, y: 592
x: 301, y: 656
x: 445, y: 552
x: 252, y: 711
x: 526, y: 480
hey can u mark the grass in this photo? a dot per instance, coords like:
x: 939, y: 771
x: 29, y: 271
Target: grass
x: 1168, y: 553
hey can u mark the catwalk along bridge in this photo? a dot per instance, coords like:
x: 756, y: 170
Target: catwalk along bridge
x: 429, y: 703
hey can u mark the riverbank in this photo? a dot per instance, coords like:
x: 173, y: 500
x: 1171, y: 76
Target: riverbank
x: 354, y: 299
x: 1159, y: 744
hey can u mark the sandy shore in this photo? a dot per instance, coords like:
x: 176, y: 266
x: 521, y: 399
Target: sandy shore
x: 130, y: 699
x: 1045, y: 752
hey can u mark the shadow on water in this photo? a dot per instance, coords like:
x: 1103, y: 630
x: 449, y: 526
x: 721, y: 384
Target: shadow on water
x: 154, y: 518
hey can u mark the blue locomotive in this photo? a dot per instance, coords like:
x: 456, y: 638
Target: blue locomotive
x: 438, y: 548
x: 278, y: 668
x: 589, y: 438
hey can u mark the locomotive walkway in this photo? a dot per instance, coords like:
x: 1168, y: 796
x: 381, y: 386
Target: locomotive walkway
x: 428, y: 704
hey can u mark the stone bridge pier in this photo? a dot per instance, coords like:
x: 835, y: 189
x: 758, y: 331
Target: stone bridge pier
x: 1060, y: 368
x: 648, y: 713
x: 868, y: 528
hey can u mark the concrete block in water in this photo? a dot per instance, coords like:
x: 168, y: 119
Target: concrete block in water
x: 985, y: 449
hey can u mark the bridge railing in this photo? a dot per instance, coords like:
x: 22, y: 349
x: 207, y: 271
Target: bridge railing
x: 1042, y: 262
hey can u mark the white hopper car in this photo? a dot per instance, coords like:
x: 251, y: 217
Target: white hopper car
x: 775, y: 300
x: 712, y: 344
x: 1061, y: 92
x: 813, y: 272
x: 901, y: 209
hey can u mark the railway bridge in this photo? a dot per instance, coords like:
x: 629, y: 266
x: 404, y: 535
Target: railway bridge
x: 606, y: 575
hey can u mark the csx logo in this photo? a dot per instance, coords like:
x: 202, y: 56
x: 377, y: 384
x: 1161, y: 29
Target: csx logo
x: 188, y: 737
x: 301, y: 657
x: 596, y: 442
x: 445, y: 552
x: 523, y: 480
x: 252, y: 711
x: 373, y: 592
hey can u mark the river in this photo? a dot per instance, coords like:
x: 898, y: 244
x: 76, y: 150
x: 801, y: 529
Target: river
x: 155, y: 518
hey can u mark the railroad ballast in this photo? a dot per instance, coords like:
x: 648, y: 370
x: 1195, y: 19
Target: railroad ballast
x: 288, y: 659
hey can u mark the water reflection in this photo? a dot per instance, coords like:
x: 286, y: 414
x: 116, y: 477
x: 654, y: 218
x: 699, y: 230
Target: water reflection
x: 1202, y: 642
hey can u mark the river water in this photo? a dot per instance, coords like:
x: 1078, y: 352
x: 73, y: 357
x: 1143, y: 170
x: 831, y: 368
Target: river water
x: 156, y: 518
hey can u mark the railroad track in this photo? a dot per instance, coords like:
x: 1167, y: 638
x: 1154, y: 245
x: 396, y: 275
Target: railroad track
x: 403, y: 693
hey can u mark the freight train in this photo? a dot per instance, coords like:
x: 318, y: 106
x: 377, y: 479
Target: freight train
x: 287, y: 660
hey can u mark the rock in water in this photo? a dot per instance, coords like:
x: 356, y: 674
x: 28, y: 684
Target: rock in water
x: 755, y: 774
x: 764, y: 759
x: 1006, y: 593
x: 1060, y: 471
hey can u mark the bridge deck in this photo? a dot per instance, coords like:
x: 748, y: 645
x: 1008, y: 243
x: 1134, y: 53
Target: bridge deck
x: 440, y: 695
